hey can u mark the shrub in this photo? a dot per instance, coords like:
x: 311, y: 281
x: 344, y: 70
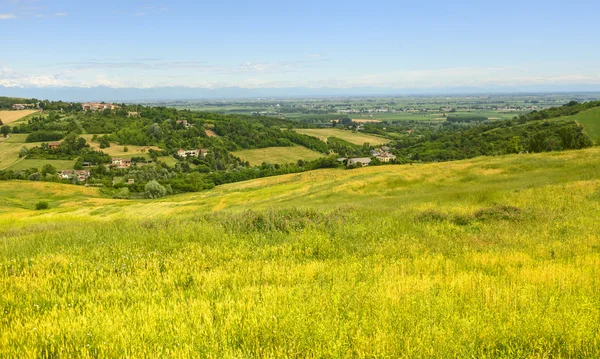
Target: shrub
x: 431, y: 216
x: 155, y: 190
x: 123, y: 193
x: 503, y: 212
x: 41, y: 205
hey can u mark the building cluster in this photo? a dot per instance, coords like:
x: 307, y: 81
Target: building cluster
x: 23, y: 106
x: 382, y: 154
x: 192, y: 153
x: 120, y: 163
x: 82, y: 175
x: 96, y: 106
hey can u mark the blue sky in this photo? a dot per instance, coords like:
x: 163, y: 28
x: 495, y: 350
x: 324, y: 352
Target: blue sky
x: 257, y: 44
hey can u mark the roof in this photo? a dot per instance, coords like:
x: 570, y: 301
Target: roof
x: 53, y: 143
x: 360, y: 159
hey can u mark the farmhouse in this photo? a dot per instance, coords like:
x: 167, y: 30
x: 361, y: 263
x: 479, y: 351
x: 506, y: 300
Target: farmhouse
x: 120, y: 163
x: 22, y: 106
x: 82, y: 175
x: 386, y: 157
x: 192, y: 153
x: 361, y: 161
x: 53, y: 145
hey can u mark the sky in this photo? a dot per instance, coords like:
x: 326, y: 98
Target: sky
x: 313, y: 44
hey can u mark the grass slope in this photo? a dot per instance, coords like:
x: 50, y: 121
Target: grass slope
x: 280, y: 155
x: 10, y: 147
x: 39, y: 163
x: 352, y: 137
x: 391, y: 261
x: 117, y: 150
x: 590, y: 120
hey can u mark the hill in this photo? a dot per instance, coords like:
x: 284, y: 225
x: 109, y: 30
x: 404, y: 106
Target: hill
x: 499, y: 254
x: 590, y: 120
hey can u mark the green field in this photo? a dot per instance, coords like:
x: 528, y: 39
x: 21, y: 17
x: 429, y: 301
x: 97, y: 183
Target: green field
x: 590, y: 120
x: 353, y: 137
x: 280, y: 155
x: 486, y: 258
x: 39, y: 163
x: 10, y: 147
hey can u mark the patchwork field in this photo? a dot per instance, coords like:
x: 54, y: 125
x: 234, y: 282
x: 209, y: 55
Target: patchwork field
x: 486, y: 258
x: 590, y: 120
x: 280, y: 155
x: 352, y: 137
x: 9, y: 117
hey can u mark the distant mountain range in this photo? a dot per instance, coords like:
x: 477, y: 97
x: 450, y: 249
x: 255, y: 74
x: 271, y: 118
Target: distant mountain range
x: 190, y: 93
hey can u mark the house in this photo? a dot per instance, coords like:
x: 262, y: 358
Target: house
x: 22, y: 106
x: 120, y: 163
x: 185, y: 123
x: 130, y: 181
x: 385, y: 148
x: 82, y: 175
x: 386, y: 157
x: 192, y: 153
x: 361, y: 161
x: 53, y: 145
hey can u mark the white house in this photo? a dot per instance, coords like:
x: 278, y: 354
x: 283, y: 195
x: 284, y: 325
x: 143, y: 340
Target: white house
x: 362, y: 161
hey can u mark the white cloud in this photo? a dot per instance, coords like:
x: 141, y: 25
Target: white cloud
x: 7, y: 16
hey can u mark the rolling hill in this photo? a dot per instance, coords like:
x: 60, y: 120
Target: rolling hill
x: 496, y: 253
x: 590, y: 120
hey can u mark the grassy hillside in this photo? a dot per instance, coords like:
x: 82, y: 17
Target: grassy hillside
x: 10, y: 147
x: 590, y: 120
x: 279, y: 155
x: 491, y: 257
x: 352, y: 137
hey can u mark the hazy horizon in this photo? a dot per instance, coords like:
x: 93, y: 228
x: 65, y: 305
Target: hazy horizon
x: 426, y: 47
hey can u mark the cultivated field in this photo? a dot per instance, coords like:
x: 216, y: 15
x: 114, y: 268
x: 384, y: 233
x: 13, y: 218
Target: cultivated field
x: 9, y: 117
x: 280, y: 155
x: 590, y: 120
x: 486, y: 258
x: 352, y: 137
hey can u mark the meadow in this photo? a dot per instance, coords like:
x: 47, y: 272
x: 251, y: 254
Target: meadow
x: 277, y: 155
x: 353, y: 137
x: 116, y: 150
x: 10, y: 147
x: 10, y: 117
x: 490, y: 258
x: 26, y: 163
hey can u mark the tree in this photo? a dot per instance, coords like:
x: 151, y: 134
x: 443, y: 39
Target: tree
x: 23, y: 152
x: 5, y: 130
x: 155, y: 190
x: 35, y: 176
x: 125, y: 149
x: 155, y: 131
x: 48, y: 169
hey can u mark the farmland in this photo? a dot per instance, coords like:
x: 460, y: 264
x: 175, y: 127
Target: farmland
x: 10, y: 117
x: 279, y: 155
x: 352, y: 137
x: 116, y: 150
x: 482, y: 251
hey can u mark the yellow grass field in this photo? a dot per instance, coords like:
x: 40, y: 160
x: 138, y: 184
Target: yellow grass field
x: 277, y: 155
x: 493, y: 257
x: 353, y: 137
x: 364, y: 120
x: 9, y: 117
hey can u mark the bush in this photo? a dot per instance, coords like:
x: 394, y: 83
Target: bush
x: 41, y: 205
x: 503, y: 212
x: 431, y: 216
x: 123, y: 193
